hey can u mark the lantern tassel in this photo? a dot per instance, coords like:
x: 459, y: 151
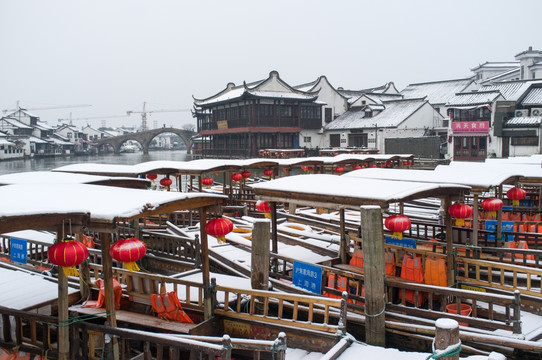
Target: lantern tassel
x: 221, y: 239
x: 492, y: 214
x: 131, y: 266
x: 460, y: 222
x: 515, y: 202
x: 397, y: 235
x: 70, y: 271
x: 267, y: 215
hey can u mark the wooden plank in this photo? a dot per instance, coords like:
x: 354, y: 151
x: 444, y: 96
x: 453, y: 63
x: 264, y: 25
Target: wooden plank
x: 138, y: 319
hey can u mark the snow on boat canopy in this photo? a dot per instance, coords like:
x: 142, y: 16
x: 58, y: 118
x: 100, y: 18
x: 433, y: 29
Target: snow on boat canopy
x: 476, y: 177
x: 526, y: 173
x: 198, y: 167
x: 25, y: 207
x: 349, y: 192
x: 47, y: 177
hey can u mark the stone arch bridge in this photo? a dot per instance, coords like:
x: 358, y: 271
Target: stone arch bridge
x: 145, y: 137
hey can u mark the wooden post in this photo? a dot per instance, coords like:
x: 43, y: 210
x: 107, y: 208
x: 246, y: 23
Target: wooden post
x: 474, y: 240
x: 199, y: 183
x: 84, y: 274
x: 498, y: 235
x: 207, y: 295
x: 374, y: 269
x: 446, y: 336
x: 449, y: 242
x: 274, y: 234
x: 259, y: 275
x: 63, y: 317
x: 343, y: 247
x: 108, y: 289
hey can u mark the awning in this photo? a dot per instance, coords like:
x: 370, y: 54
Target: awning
x: 470, y: 134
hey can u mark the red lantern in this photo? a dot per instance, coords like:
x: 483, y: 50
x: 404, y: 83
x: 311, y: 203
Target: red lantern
x: 128, y: 251
x: 389, y: 163
x: 268, y: 173
x: 356, y: 167
x: 397, y: 224
x: 236, y: 177
x: 207, y: 181
x: 372, y: 166
x: 219, y: 228
x: 152, y: 177
x: 516, y: 194
x: 68, y: 254
x: 460, y: 212
x: 339, y: 170
x: 492, y: 206
x: 166, y: 182
x: 246, y: 174
x: 263, y: 206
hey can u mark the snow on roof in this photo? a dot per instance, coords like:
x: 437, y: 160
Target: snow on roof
x: 475, y: 176
x: 473, y: 98
x: 24, y: 291
x: 58, y: 141
x: 16, y: 123
x: 34, y: 235
x: 104, y: 203
x: 497, y: 65
x: 528, y: 121
x: 533, y: 97
x: 503, y: 76
x: 489, y: 168
x: 438, y: 92
x: 527, y: 160
x: 510, y: 90
x: 349, y: 190
x: 392, y: 116
x: 37, y: 140
x: 47, y: 177
x: 6, y: 142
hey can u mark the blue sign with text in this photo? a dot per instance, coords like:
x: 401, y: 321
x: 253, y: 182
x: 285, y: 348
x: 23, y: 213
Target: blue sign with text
x: 17, y: 250
x: 507, y: 226
x: 404, y: 242
x: 308, y: 277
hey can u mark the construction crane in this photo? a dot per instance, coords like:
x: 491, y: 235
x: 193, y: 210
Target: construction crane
x: 70, y: 119
x: 43, y: 108
x: 144, y: 113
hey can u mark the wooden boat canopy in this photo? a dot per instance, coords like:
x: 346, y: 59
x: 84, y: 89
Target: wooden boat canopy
x: 332, y: 191
x: 479, y: 181
x: 103, y: 206
x: 41, y: 177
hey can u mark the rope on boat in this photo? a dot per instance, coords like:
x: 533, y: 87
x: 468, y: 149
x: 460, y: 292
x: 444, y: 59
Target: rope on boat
x: 451, y: 350
x: 73, y: 320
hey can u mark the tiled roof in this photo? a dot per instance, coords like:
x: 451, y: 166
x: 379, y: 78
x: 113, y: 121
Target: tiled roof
x: 510, y: 90
x: 392, y: 116
x: 474, y: 98
x: 533, y: 97
x: 523, y: 121
x: 498, y: 65
x: 16, y: 123
x: 438, y: 92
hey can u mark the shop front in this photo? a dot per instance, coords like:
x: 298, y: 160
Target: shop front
x: 470, y: 140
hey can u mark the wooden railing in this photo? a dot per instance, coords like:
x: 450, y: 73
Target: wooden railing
x: 29, y: 332
x: 500, y: 276
x: 142, y: 344
x: 305, y: 311
x: 172, y: 246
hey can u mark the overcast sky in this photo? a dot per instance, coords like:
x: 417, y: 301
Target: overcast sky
x: 116, y: 54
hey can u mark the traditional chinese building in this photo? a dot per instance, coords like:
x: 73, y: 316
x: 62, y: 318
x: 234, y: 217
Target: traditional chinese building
x: 240, y: 120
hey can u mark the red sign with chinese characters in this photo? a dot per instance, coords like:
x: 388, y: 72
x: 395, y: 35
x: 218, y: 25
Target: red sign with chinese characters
x: 470, y: 126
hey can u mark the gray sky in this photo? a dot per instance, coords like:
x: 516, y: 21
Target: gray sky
x: 116, y: 54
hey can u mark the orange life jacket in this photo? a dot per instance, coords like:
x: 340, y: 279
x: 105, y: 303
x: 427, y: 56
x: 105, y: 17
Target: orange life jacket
x: 14, y: 355
x: 435, y: 272
x: 412, y: 270
x: 357, y: 258
x: 390, y: 263
x: 518, y: 245
x: 340, y: 285
x: 88, y: 241
x: 117, y: 292
x: 525, y: 217
x: 506, y: 215
x: 514, y: 216
x: 168, y: 306
x: 536, y: 217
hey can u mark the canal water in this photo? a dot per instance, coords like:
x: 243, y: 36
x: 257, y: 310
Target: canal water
x: 49, y: 163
